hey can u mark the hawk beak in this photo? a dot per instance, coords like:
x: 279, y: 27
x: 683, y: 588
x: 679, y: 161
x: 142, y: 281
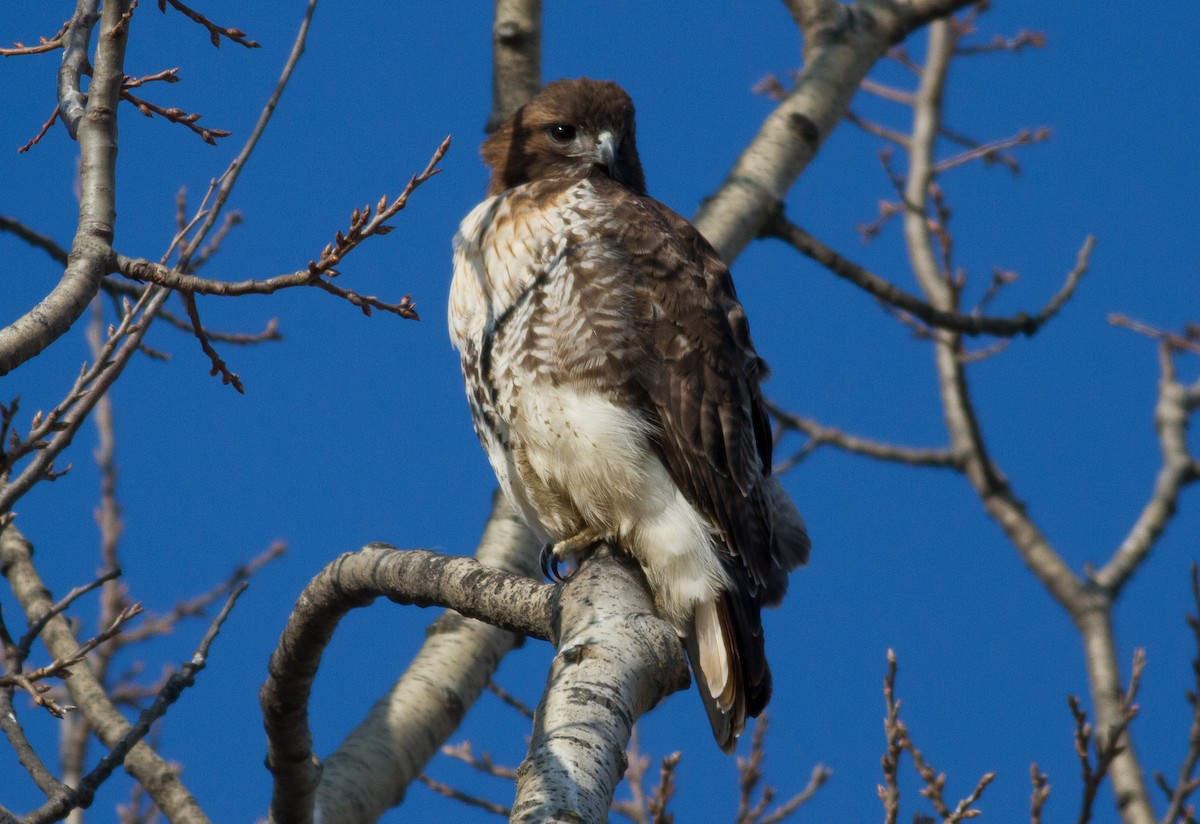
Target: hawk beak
x: 606, y: 152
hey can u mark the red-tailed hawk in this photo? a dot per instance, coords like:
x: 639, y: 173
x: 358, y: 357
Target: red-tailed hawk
x: 614, y: 386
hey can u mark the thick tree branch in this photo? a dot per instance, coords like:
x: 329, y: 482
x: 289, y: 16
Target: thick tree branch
x: 842, y: 43
x: 371, y: 770
x: 516, y: 57
x: 54, y: 315
x: 616, y: 660
x: 76, y: 38
x: 354, y: 580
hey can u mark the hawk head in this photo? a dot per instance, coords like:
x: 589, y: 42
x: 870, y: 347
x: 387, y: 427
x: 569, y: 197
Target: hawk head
x: 572, y: 129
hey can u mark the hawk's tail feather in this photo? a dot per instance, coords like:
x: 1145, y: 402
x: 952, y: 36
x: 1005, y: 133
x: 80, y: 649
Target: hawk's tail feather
x: 725, y: 647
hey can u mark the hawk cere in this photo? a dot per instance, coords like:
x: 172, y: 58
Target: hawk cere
x: 614, y: 385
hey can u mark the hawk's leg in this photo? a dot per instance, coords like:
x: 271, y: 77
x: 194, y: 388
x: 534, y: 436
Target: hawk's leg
x: 554, y: 554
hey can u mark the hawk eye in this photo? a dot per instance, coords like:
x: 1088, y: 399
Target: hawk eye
x: 561, y: 133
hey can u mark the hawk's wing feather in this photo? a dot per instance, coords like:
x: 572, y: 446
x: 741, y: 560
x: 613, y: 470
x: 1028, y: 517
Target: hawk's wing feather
x: 701, y: 378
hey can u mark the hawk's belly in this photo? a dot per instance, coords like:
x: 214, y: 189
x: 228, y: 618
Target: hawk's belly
x: 579, y: 462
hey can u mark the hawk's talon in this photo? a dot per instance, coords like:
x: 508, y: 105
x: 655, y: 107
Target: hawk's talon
x: 549, y: 561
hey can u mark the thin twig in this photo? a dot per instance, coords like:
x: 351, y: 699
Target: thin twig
x: 819, y: 435
x: 175, y: 115
x: 1186, y: 782
x: 42, y: 132
x: 168, y: 695
x: 1041, y: 791
x: 992, y: 152
x: 509, y: 699
x: 1179, y: 342
x: 458, y: 795
x: 480, y: 763
x: 45, y: 44
x: 26, y: 641
x: 1020, y: 324
x: 215, y: 32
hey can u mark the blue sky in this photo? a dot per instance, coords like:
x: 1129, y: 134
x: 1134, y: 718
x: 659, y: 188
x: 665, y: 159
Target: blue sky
x: 355, y: 430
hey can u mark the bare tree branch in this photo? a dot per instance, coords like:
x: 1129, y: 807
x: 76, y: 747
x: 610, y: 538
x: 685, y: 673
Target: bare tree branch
x: 42, y: 325
x: 1088, y: 604
x: 364, y: 224
x: 76, y: 37
x: 354, y: 580
x: 458, y: 795
x: 83, y: 794
x: 369, y: 771
x: 842, y: 43
x: 819, y: 435
x: 1177, y: 471
x: 1021, y: 324
x: 106, y: 721
x: 1186, y: 782
x: 45, y: 44
x: 215, y: 32
x: 616, y: 660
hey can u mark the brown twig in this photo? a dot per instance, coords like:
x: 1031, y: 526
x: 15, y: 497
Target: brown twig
x: 39, y: 241
x: 1020, y: 324
x: 215, y: 32
x: 362, y: 226
x: 37, y: 138
x: 45, y: 44
x: 157, y: 625
x: 992, y: 152
x: 45, y: 436
x: 660, y: 797
x: 819, y: 435
x: 458, y: 795
x: 164, y: 76
x: 963, y: 140
x: 61, y: 667
x: 878, y: 130
x: 510, y: 699
x: 886, y: 92
x: 894, y: 732
x: 175, y: 115
x: 1189, y: 341
x: 1041, y: 791
x: 480, y: 763
x: 218, y: 365
x: 750, y: 774
x: 634, y: 807
x: 213, y: 246
x: 1106, y: 747
x: 1024, y: 39
x: 898, y: 742
x: 35, y: 627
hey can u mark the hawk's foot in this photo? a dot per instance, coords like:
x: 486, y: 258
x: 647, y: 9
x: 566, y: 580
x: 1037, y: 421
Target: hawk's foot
x: 553, y: 555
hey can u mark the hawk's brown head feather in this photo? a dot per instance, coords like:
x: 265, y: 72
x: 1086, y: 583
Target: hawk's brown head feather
x: 572, y: 129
